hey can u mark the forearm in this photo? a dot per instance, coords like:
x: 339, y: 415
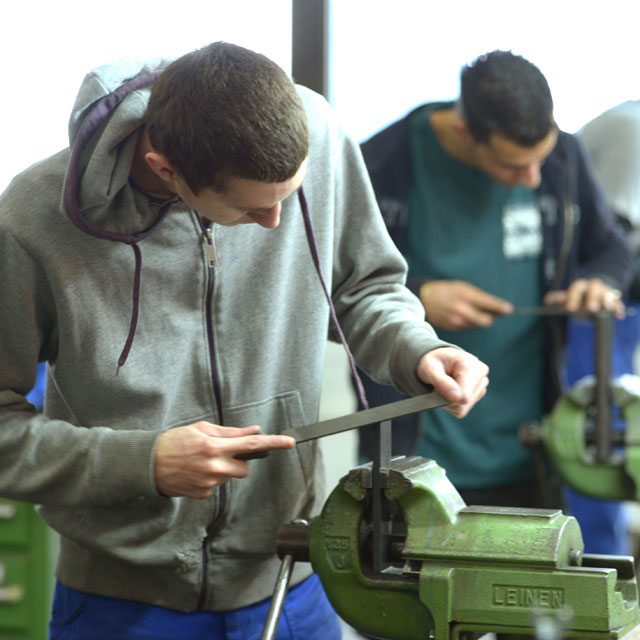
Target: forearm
x: 49, y: 461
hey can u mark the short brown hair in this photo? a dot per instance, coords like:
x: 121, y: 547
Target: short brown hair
x: 224, y: 111
x: 504, y: 93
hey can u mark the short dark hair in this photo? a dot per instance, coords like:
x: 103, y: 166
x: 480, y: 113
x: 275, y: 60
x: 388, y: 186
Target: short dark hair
x: 224, y: 111
x: 503, y: 93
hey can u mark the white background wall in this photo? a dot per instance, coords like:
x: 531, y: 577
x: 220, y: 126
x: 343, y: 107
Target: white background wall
x: 387, y: 56
x: 390, y: 55
x: 47, y: 47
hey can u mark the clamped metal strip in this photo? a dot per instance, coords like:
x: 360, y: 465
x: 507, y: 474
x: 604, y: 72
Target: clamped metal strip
x: 368, y: 416
x: 381, y: 418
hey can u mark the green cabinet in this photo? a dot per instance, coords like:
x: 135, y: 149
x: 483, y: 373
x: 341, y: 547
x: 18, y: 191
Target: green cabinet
x: 27, y: 548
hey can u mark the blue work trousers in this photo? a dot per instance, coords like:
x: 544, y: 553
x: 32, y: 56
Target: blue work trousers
x: 306, y: 615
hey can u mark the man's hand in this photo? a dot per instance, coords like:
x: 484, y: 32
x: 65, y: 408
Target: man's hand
x: 457, y: 375
x: 588, y: 295
x: 455, y: 305
x: 190, y: 461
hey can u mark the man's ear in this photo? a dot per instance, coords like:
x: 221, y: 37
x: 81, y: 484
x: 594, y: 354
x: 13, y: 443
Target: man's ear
x: 161, y: 166
x: 460, y: 128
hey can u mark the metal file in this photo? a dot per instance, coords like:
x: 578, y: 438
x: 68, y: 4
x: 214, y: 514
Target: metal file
x: 366, y: 417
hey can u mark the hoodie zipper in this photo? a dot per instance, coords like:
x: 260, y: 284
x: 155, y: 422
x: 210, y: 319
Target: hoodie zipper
x: 210, y: 248
x: 212, y: 263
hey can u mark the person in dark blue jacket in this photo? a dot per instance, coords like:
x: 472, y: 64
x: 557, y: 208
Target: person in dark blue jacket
x: 496, y: 211
x: 612, y: 142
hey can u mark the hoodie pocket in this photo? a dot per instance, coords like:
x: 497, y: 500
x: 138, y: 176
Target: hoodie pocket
x: 279, y: 488
x: 157, y: 531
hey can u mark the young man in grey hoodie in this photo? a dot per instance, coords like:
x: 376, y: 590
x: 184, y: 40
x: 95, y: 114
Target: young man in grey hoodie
x: 176, y: 277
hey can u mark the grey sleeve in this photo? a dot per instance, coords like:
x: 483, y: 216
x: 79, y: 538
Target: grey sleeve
x: 383, y: 321
x: 43, y: 460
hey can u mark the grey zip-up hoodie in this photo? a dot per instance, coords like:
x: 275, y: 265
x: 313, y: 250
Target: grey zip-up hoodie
x: 144, y: 332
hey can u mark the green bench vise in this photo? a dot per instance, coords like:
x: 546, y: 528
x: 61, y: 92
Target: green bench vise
x: 609, y: 468
x: 445, y: 569
x: 578, y: 437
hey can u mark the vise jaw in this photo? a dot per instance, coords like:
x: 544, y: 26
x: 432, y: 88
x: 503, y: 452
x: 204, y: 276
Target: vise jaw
x: 452, y: 569
x: 564, y: 433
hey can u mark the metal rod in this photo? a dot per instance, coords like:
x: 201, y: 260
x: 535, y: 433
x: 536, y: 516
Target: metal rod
x: 277, y: 601
x: 603, y: 344
x: 367, y: 416
x: 381, y: 463
x: 545, y: 311
x: 559, y: 311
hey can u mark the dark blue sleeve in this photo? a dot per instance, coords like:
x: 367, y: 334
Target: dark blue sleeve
x: 603, y: 250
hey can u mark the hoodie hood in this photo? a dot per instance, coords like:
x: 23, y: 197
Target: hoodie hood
x: 103, y: 133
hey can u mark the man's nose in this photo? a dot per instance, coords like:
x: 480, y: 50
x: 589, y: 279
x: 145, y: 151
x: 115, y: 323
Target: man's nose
x: 530, y: 176
x: 268, y: 219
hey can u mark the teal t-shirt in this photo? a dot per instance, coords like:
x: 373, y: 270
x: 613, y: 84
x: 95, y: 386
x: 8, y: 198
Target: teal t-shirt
x: 465, y: 226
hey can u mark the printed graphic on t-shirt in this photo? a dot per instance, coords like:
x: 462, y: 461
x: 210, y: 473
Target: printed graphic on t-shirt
x: 522, y: 231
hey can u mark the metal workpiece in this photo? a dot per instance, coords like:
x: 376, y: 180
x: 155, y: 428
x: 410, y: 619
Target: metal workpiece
x: 379, y: 417
x: 376, y: 415
x: 451, y: 569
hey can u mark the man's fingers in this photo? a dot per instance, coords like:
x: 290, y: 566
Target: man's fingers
x: 269, y: 443
x: 458, y: 375
x: 461, y: 409
x: 610, y: 300
x: 191, y: 461
x: 254, y: 446
x: 473, y: 386
x: 475, y: 317
x: 218, y: 431
x: 449, y: 389
x: 245, y: 443
x: 575, y: 297
x: 554, y: 298
x: 597, y: 296
x: 479, y: 308
x: 489, y: 303
x: 589, y: 295
x: 251, y: 455
x: 435, y: 373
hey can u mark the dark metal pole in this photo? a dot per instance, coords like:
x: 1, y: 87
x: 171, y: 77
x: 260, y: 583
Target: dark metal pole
x: 603, y: 321
x: 310, y: 44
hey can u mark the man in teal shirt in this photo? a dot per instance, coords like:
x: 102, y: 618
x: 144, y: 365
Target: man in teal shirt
x: 495, y: 209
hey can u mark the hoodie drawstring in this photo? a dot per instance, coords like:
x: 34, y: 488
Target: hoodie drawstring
x: 97, y: 114
x: 313, y: 247
x: 137, y: 278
